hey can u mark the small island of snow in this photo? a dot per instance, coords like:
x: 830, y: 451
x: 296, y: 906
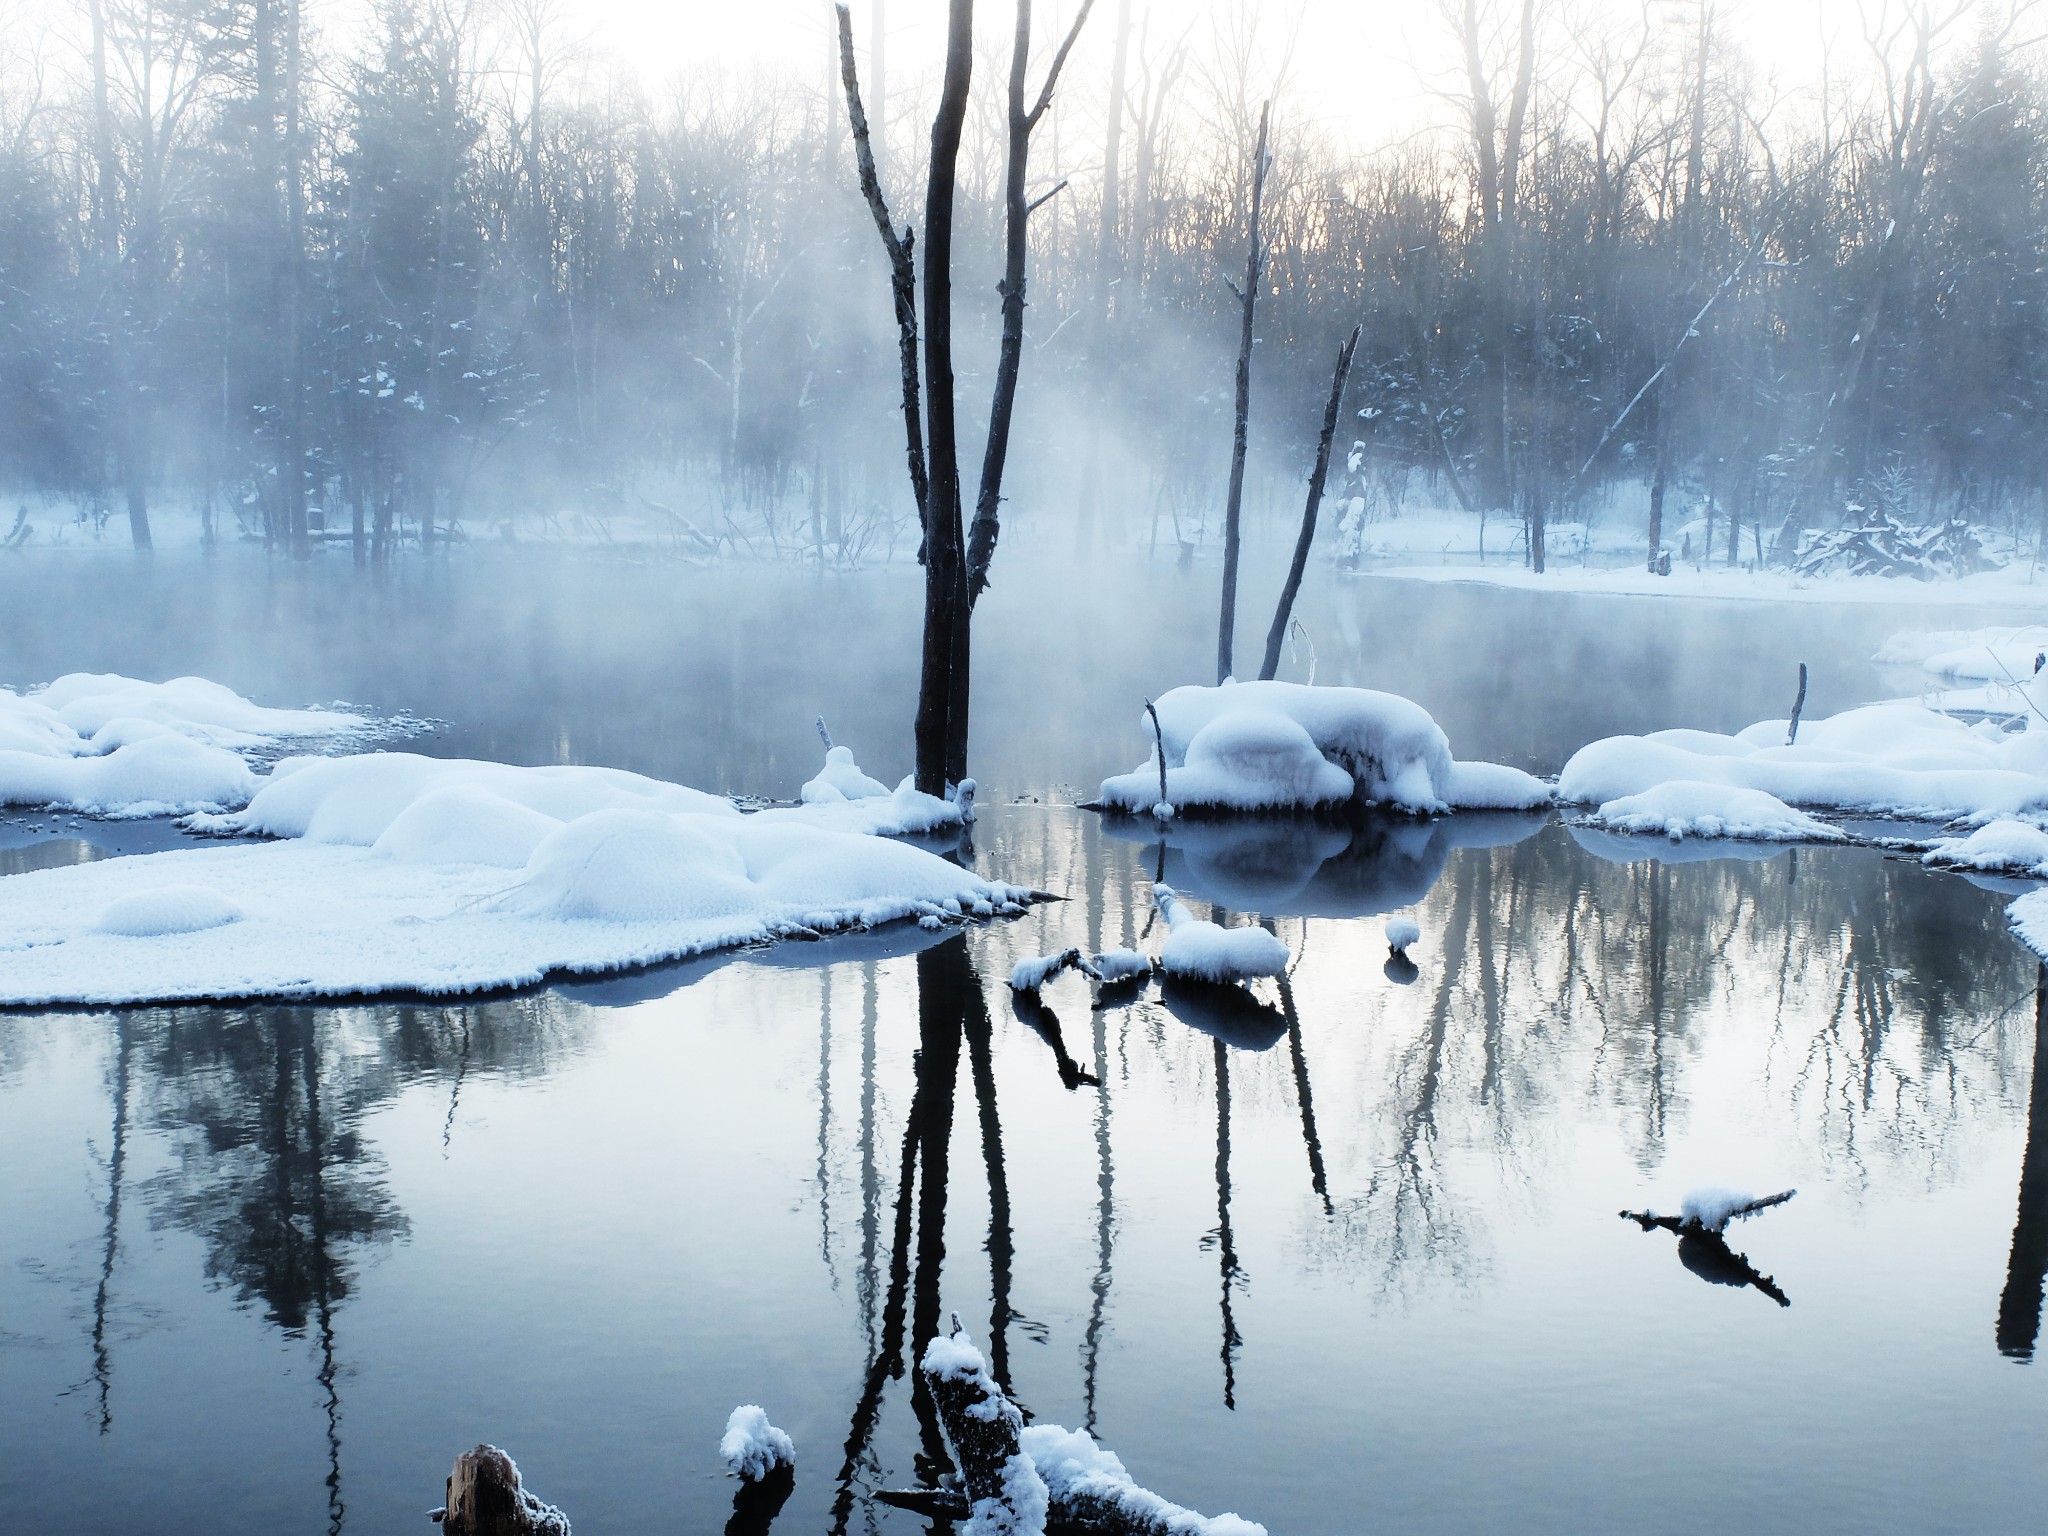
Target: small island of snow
x: 1269, y: 746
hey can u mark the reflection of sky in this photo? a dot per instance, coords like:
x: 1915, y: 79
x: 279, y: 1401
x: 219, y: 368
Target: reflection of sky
x: 626, y: 1211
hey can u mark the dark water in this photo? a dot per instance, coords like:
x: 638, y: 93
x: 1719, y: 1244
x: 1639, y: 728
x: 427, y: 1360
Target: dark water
x: 1349, y: 1260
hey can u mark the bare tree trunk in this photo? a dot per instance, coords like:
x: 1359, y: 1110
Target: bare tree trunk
x: 1248, y: 299
x: 945, y: 589
x: 1278, y: 633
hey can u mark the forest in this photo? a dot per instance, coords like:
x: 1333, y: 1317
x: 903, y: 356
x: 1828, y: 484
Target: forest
x: 408, y: 279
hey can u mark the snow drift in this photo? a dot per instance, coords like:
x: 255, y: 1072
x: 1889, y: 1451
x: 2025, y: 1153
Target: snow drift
x: 399, y: 873
x: 1268, y: 746
x: 1896, y: 759
x: 113, y: 746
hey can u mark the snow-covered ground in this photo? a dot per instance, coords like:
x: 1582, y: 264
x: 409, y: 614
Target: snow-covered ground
x: 1265, y: 746
x: 389, y: 871
x: 2014, y: 587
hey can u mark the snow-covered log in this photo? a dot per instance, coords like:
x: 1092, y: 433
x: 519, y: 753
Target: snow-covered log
x: 1030, y: 974
x: 1022, y: 1481
x: 485, y: 1499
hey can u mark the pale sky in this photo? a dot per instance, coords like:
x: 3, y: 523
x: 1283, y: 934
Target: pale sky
x: 1362, y: 67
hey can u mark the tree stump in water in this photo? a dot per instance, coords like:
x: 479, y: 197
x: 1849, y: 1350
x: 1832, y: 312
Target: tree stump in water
x: 485, y: 1499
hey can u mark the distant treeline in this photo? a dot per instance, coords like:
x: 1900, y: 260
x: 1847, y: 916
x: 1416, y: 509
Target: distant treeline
x: 380, y: 287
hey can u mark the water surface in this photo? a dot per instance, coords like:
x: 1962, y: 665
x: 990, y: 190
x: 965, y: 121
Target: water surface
x: 1345, y: 1260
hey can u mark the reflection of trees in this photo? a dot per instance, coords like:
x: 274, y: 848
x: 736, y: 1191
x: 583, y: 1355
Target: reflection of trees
x: 1868, y: 995
x: 952, y: 1012
x: 2019, y: 1308
x: 262, y: 1107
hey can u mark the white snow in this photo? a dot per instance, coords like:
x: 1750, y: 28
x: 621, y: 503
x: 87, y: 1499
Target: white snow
x: 1715, y: 1208
x: 404, y: 873
x: 1271, y: 746
x: 166, y: 910
x: 1055, y: 1463
x: 1402, y: 932
x: 1030, y: 974
x: 2004, y: 846
x: 2011, y: 587
x: 1882, y: 759
x: 1114, y: 965
x: 752, y: 1447
x: 1206, y: 951
x: 1690, y: 808
x: 1072, y: 1464
x: 113, y: 746
x: 2004, y: 655
x: 841, y: 779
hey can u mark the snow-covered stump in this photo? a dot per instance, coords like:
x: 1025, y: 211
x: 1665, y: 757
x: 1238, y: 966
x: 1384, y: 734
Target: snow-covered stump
x: 763, y: 1458
x: 1005, y: 1494
x: 485, y: 1499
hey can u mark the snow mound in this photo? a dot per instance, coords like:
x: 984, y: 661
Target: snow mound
x: 905, y: 812
x: 1204, y: 951
x: 86, y: 705
x: 840, y: 779
x: 169, y: 909
x: 2004, y: 846
x: 1402, y: 932
x: 1899, y: 759
x: 1690, y: 808
x: 1288, y: 746
x: 1115, y: 965
x: 1073, y: 1467
x: 751, y: 1447
x: 399, y: 873
x: 635, y: 866
x: 112, y: 746
x: 166, y: 775
x: 462, y: 824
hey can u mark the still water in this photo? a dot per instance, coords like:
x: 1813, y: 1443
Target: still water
x: 1349, y: 1260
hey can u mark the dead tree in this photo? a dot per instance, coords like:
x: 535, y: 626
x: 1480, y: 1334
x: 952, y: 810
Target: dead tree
x: 1233, y: 506
x: 1307, y: 537
x: 955, y: 558
x: 1017, y: 211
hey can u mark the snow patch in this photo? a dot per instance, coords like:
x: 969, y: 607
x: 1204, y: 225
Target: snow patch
x: 1401, y: 933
